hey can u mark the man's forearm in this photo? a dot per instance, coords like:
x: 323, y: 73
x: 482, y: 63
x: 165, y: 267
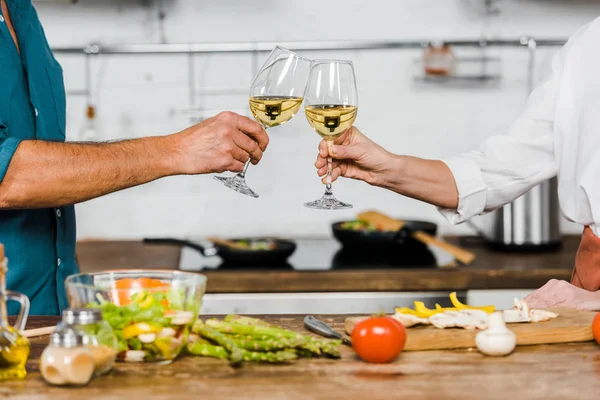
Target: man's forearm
x: 430, y: 181
x: 49, y: 174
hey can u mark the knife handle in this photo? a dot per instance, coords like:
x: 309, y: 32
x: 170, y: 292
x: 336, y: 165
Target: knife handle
x: 321, y: 328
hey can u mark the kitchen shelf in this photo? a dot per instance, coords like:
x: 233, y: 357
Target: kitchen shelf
x: 467, y: 70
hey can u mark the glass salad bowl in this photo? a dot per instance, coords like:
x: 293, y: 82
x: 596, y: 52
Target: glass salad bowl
x: 151, y: 311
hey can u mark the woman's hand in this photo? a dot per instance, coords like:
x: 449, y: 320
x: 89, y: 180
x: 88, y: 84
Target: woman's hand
x: 557, y: 293
x: 355, y: 156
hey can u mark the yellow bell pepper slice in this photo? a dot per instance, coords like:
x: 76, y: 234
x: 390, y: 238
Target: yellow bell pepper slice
x: 420, y: 307
x: 139, y: 328
x: 424, y: 311
x: 165, y: 347
x: 147, y: 302
x: 461, y: 306
x: 410, y: 311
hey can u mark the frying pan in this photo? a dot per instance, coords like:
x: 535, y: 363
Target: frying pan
x: 382, y: 240
x: 233, y: 256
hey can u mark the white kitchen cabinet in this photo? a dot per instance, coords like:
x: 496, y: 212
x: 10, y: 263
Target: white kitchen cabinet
x: 347, y: 303
x: 319, y: 303
x: 502, y: 299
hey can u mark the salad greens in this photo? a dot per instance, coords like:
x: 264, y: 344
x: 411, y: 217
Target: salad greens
x: 153, y: 322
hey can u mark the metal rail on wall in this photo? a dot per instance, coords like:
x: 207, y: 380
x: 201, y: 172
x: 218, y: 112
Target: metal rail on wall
x: 255, y: 48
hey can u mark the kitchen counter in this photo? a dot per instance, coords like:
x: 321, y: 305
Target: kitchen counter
x: 491, y: 270
x: 568, y: 371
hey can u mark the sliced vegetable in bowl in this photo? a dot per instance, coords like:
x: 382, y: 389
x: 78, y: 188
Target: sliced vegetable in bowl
x: 152, y: 312
x: 359, y: 225
x: 255, y: 245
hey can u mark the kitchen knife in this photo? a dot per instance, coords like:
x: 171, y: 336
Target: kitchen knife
x: 321, y: 328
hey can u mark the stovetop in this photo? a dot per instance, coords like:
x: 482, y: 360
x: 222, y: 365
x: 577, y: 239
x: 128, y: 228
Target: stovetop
x: 323, y: 255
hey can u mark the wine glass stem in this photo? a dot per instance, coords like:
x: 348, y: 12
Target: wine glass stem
x: 329, y: 170
x: 243, y: 173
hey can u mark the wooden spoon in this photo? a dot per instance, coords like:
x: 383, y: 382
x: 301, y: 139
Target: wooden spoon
x: 28, y: 333
x: 390, y: 224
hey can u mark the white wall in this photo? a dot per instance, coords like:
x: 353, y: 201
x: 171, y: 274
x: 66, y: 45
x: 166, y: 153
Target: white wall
x: 136, y: 96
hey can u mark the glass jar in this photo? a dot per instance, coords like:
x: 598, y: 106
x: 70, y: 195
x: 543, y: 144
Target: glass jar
x: 14, y: 346
x: 438, y: 60
x: 67, y: 361
x: 97, y: 335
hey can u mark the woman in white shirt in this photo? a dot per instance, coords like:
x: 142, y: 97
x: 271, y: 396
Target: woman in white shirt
x: 558, y: 134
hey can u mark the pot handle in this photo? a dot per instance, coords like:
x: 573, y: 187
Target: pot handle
x: 181, y: 242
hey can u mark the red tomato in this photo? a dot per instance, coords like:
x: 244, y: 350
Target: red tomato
x: 129, y: 286
x: 596, y: 327
x: 378, y: 339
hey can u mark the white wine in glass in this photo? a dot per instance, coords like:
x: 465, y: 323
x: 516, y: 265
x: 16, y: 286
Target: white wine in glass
x: 271, y: 111
x: 276, y: 95
x: 331, y: 107
x: 330, y: 120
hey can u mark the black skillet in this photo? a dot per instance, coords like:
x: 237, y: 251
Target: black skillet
x: 232, y: 256
x: 383, y: 240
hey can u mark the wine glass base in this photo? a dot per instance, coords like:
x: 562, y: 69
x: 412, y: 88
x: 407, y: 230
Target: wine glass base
x: 238, y: 184
x: 328, y: 202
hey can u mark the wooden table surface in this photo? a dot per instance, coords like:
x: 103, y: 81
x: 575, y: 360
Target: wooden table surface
x: 491, y: 270
x: 564, y: 372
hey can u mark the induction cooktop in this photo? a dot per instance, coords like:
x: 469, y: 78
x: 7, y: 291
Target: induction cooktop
x: 326, y: 254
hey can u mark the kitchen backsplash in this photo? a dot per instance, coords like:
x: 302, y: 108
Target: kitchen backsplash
x: 144, y: 95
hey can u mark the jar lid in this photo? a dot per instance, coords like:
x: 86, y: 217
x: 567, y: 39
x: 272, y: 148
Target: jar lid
x: 68, y: 338
x: 81, y: 316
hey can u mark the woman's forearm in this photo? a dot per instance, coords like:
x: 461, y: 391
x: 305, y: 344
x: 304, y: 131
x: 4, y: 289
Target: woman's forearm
x: 430, y: 181
x: 49, y: 174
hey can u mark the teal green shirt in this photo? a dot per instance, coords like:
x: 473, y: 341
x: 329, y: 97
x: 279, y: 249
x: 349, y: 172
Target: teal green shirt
x: 39, y: 243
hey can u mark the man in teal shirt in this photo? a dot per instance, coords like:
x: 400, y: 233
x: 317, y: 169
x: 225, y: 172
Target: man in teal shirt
x: 41, y: 176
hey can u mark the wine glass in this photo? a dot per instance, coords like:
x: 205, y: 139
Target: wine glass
x: 276, y: 95
x: 331, y: 107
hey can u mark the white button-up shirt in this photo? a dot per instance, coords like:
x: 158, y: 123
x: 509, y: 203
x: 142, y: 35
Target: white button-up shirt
x: 557, y: 135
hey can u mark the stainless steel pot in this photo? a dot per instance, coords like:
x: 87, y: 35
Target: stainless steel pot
x: 531, y: 222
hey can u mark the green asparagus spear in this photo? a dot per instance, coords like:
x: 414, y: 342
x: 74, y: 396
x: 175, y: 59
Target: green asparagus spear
x: 270, y: 344
x: 331, y: 348
x: 250, y: 337
x: 303, y: 353
x: 271, y: 357
x: 235, y: 353
x: 207, y: 350
x: 312, y: 345
x: 233, y: 328
x: 243, y: 320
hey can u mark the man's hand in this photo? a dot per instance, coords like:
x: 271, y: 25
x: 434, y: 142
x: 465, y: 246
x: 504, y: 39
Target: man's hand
x: 355, y: 156
x: 221, y: 143
x: 557, y: 293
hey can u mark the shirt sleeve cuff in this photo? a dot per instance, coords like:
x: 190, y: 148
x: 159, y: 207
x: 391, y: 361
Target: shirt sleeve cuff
x: 471, y: 190
x: 7, y: 150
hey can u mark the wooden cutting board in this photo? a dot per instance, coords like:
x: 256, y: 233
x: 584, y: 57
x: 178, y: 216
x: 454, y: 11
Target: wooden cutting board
x: 570, y: 326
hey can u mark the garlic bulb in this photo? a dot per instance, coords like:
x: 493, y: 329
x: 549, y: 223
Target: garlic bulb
x: 497, y: 340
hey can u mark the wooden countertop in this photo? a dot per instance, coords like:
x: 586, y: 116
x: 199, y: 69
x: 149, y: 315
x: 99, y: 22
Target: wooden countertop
x: 491, y: 270
x: 546, y: 372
